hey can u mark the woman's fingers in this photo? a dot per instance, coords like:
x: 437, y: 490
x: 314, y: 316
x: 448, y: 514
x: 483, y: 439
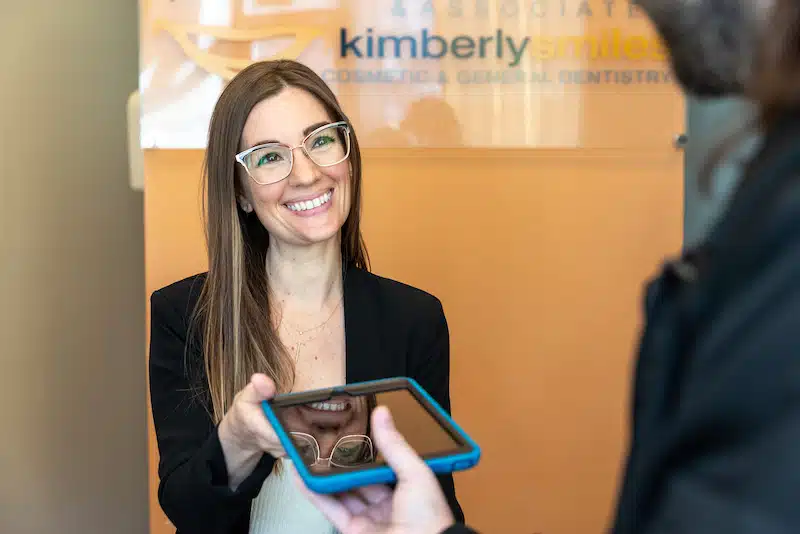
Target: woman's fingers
x: 260, y: 388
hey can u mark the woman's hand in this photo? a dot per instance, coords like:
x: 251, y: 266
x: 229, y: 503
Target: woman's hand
x: 245, y: 432
x: 416, y: 506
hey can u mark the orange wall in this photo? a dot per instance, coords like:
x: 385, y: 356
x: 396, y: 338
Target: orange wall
x: 538, y: 257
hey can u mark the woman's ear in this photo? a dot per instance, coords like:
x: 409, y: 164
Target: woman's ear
x: 245, y: 204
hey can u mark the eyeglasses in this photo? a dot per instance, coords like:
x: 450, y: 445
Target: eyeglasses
x: 350, y: 451
x: 273, y: 162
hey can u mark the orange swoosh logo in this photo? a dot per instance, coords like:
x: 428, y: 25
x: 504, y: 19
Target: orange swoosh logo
x: 228, y: 67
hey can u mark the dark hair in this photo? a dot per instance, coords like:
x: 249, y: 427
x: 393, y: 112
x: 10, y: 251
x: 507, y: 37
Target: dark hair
x: 774, y: 84
x: 239, y: 336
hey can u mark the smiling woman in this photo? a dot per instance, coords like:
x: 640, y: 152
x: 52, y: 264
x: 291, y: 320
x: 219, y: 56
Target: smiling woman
x: 288, y: 271
x: 313, y: 206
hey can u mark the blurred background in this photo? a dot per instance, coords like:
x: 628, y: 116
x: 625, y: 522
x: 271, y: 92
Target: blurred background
x: 72, y: 299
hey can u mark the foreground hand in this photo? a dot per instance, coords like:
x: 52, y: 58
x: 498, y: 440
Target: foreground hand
x: 245, y: 433
x: 416, y: 506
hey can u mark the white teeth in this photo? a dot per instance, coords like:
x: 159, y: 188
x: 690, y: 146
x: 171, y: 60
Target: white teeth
x: 310, y: 204
x: 329, y: 406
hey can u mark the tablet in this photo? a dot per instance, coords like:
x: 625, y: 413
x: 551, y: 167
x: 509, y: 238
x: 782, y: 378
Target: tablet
x: 327, y: 433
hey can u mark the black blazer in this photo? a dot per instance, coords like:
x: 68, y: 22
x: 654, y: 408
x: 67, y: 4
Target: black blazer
x: 716, y: 406
x: 391, y: 329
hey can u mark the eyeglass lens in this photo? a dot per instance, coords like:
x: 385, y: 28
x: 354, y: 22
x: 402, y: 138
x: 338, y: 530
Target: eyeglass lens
x: 350, y: 451
x: 307, y: 448
x: 325, y: 147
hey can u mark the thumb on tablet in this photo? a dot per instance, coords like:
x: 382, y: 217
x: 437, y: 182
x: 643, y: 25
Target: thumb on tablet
x: 260, y: 388
x: 404, y: 460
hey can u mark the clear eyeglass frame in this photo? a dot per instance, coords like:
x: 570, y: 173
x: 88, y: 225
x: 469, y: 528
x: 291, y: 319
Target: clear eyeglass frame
x: 241, y: 157
x: 330, y: 463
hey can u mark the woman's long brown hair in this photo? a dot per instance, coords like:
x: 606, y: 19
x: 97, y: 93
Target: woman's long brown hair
x: 233, y: 310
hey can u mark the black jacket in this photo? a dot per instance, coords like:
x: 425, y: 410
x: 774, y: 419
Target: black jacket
x: 716, y: 406
x: 391, y: 329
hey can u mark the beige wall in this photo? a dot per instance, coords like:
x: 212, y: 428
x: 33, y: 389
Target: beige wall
x: 72, y: 382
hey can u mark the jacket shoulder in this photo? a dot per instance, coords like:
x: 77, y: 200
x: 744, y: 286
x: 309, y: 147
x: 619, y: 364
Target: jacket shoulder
x: 181, y: 296
x: 172, y: 337
x: 404, y: 298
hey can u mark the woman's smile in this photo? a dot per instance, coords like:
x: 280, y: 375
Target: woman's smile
x: 330, y: 406
x: 311, y: 205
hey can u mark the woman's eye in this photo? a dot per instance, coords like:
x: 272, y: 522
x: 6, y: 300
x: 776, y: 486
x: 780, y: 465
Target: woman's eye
x: 307, y: 452
x: 349, y: 451
x: 271, y: 157
x: 322, y: 140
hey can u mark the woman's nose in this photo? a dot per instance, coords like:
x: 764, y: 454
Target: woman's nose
x: 326, y: 441
x: 304, y: 171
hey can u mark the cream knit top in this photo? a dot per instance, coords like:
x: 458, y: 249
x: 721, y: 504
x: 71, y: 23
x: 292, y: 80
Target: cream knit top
x: 281, y: 508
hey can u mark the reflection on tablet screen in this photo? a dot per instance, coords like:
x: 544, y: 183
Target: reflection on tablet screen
x: 335, y: 435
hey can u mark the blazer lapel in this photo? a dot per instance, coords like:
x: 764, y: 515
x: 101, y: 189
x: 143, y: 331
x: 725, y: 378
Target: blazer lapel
x: 361, y: 328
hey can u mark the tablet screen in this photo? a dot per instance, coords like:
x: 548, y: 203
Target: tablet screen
x: 334, y: 434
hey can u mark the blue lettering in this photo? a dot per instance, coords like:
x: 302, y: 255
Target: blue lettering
x: 484, y: 41
x: 398, y: 43
x: 463, y: 46
x: 428, y: 45
x: 369, y: 43
x: 426, y: 41
x: 517, y: 51
x: 351, y: 45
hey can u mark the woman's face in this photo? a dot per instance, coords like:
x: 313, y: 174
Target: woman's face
x: 282, y: 207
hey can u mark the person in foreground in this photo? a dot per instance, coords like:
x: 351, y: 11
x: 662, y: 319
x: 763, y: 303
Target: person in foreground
x: 287, y: 304
x: 715, y: 441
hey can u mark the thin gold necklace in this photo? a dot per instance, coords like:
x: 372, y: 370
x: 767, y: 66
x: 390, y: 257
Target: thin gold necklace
x: 298, y: 334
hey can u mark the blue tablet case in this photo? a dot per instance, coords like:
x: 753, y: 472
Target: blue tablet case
x: 344, y: 481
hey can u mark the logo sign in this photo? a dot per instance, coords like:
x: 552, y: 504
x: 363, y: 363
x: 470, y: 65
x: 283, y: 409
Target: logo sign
x: 437, y: 73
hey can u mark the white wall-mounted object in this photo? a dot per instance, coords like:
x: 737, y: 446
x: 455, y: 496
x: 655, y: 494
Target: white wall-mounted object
x: 135, y: 152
